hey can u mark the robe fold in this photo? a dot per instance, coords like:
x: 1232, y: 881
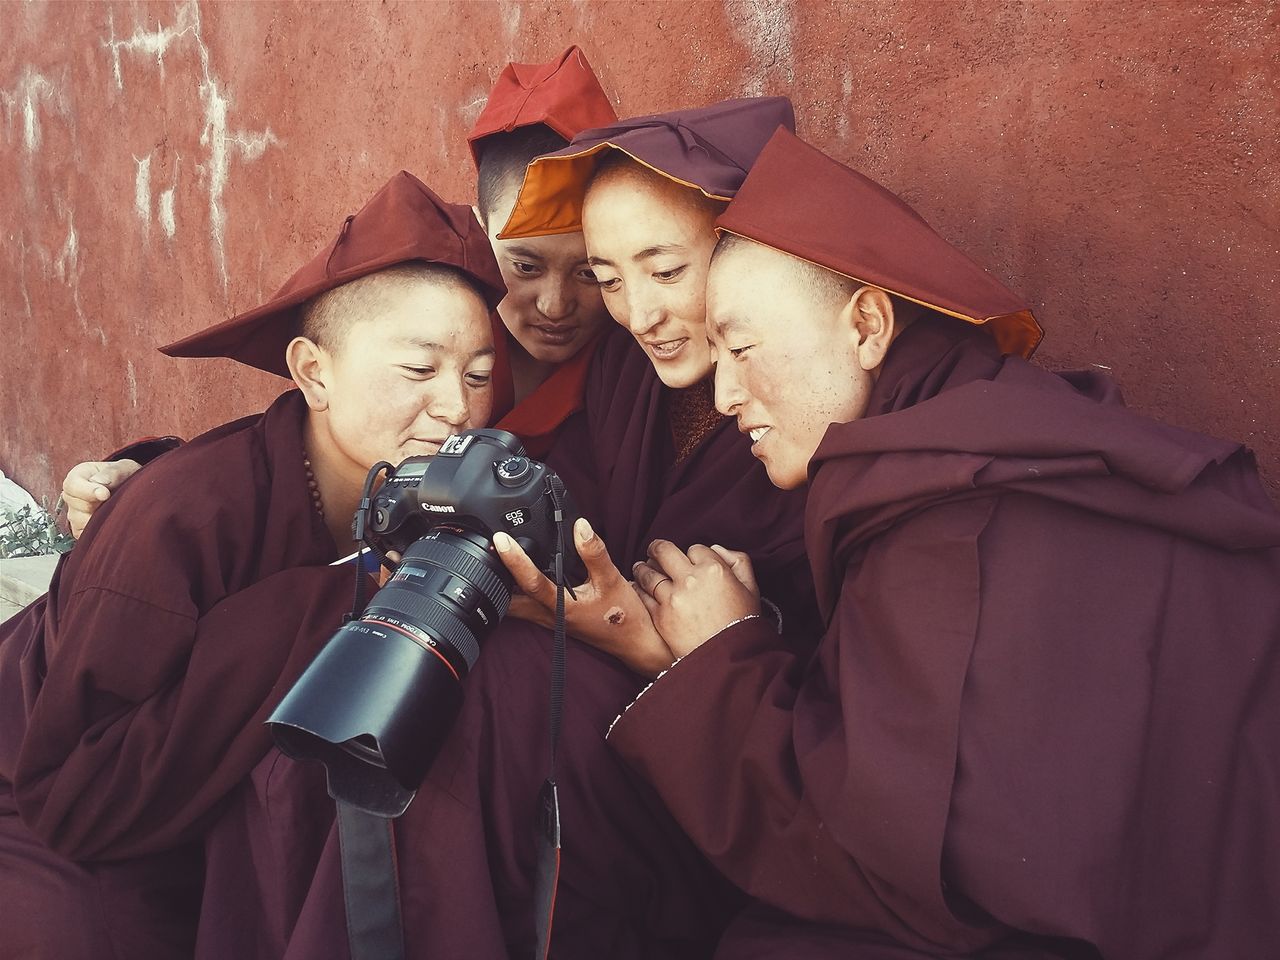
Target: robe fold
x: 1044, y: 718
x: 637, y: 491
x: 135, y: 692
x: 632, y: 885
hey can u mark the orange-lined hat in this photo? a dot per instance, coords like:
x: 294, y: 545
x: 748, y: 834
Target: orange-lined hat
x: 405, y: 221
x: 563, y: 94
x: 800, y: 201
x: 709, y: 149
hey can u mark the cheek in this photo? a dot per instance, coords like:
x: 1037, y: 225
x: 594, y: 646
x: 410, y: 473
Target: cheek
x: 688, y: 302
x: 517, y: 303
x: 615, y: 306
x: 480, y: 408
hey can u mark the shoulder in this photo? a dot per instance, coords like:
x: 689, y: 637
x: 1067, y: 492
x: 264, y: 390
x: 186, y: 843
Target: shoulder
x: 167, y: 533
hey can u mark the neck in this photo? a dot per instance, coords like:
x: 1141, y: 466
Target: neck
x: 527, y: 374
x: 337, y: 481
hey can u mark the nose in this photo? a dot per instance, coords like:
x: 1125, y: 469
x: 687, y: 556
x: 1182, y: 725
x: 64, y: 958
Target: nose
x: 729, y: 393
x: 644, y: 312
x: 556, y: 299
x: 448, y: 401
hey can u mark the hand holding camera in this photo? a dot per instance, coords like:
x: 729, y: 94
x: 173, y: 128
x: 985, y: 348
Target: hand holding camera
x: 605, y: 611
x: 377, y: 702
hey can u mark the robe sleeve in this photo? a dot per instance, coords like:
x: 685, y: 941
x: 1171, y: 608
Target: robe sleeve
x: 147, y: 717
x: 713, y: 735
x: 820, y: 784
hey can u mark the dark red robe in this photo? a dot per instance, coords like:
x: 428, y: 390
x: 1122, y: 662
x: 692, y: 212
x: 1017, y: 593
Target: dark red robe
x: 1044, y: 719
x: 632, y: 885
x: 135, y: 693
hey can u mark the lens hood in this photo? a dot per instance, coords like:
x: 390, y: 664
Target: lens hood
x: 372, y: 707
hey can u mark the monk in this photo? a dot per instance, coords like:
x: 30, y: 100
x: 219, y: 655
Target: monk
x: 631, y: 884
x: 1043, y: 719
x: 664, y: 463
x: 552, y: 314
x: 135, y: 693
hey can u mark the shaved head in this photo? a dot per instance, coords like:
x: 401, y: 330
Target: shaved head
x: 618, y: 168
x: 328, y: 318
x: 825, y: 287
x: 503, y: 159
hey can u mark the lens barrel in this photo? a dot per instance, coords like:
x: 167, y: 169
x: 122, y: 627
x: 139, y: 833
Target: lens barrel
x: 377, y: 702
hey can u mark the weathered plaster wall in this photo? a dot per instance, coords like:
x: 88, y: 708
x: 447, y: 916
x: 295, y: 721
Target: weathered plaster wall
x: 167, y: 164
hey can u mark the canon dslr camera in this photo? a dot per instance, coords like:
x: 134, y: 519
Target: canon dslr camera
x: 378, y: 700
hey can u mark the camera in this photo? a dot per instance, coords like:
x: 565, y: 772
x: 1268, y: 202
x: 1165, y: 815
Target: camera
x: 377, y: 702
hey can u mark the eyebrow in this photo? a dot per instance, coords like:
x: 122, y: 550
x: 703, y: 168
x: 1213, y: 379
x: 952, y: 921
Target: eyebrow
x: 725, y: 327
x: 644, y: 254
x: 431, y: 345
x: 527, y: 252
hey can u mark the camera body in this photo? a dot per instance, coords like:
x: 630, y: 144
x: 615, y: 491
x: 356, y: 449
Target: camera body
x: 480, y: 481
x: 377, y: 702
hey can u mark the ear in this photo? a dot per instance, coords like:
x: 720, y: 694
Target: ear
x: 309, y: 365
x: 870, y: 314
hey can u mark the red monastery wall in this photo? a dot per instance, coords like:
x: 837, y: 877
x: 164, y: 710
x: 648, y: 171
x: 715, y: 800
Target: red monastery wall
x: 166, y: 165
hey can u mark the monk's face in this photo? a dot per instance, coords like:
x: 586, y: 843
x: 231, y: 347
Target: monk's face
x: 787, y: 358
x: 552, y: 307
x: 650, y: 243
x: 402, y: 380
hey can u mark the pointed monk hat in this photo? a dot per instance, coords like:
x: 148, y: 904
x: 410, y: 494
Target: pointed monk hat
x: 404, y: 222
x: 709, y: 149
x: 800, y: 201
x: 563, y: 94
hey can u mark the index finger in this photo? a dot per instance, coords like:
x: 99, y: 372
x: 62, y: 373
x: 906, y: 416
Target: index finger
x: 670, y: 558
x: 532, y: 582
x: 79, y: 483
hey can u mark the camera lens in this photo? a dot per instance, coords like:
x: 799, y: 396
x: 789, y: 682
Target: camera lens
x: 447, y: 593
x: 376, y: 704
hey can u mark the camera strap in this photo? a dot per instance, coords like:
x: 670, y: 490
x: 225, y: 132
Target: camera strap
x: 370, y: 885
x: 548, y: 867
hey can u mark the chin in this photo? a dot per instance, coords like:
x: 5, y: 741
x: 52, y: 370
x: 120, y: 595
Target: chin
x: 785, y: 477
x: 677, y: 376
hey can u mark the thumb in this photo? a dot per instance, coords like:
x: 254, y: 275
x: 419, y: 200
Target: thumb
x: 740, y: 564
x: 594, y: 554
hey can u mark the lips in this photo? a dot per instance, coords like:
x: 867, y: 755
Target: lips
x: 557, y: 334
x: 665, y: 349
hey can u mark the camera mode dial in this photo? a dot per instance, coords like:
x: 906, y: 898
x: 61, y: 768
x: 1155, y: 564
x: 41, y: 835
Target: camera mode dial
x: 514, y: 471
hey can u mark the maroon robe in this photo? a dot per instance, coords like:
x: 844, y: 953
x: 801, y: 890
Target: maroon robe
x: 1044, y: 719
x: 636, y: 491
x: 138, y: 688
x: 631, y: 883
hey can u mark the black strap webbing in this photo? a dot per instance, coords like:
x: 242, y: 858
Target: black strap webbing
x: 370, y: 885
x: 548, y: 876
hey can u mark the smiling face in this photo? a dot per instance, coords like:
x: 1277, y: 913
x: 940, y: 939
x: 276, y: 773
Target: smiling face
x: 797, y: 349
x: 407, y: 362
x: 650, y: 241
x: 553, y: 306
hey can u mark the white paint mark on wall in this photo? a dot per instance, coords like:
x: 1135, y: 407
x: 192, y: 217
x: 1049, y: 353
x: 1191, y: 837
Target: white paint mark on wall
x: 149, y: 43
x: 469, y: 111
x: 842, y: 110
x: 510, y: 14
x: 222, y: 143
x: 33, y: 92
x: 22, y: 276
x: 142, y: 191
x: 66, y: 264
x: 164, y: 213
x: 131, y: 381
x: 764, y: 27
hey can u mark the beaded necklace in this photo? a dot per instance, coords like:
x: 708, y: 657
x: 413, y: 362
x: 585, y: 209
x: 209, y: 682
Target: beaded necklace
x: 313, y: 486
